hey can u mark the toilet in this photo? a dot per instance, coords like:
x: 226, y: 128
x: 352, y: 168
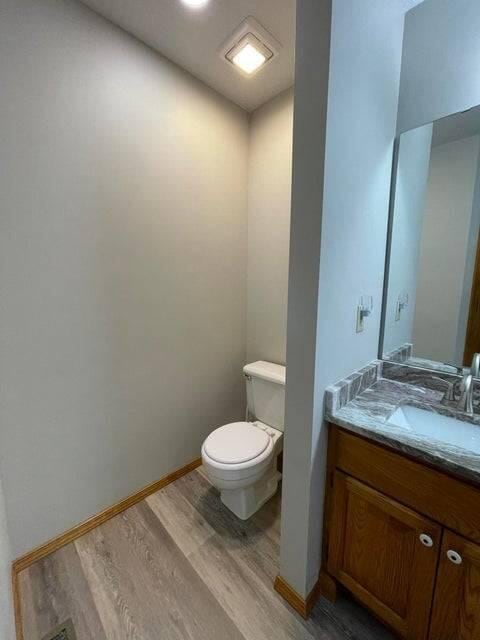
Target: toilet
x: 240, y: 458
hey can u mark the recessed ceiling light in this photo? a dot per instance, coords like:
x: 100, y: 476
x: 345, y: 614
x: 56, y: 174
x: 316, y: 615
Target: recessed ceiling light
x: 195, y: 4
x: 250, y: 48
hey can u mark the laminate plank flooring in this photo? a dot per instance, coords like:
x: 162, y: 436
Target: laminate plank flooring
x: 54, y: 590
x: 179, y: 566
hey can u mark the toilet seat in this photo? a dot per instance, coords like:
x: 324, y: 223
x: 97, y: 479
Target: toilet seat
x: 240, y: 460
x: 257, y: 444
x: 236, y: 443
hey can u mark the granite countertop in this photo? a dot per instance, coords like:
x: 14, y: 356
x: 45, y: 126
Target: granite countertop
x: 366, y: 414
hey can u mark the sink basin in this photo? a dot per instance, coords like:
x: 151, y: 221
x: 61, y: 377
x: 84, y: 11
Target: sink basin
x: 437, y: 427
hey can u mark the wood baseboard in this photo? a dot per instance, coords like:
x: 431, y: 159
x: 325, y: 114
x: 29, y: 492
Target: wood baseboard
x: 81, y: 529
x: 17, y: 612
x: 303, y: 606
x: 327, y: 586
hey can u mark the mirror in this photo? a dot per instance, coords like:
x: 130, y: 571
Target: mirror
x: 431, y: 313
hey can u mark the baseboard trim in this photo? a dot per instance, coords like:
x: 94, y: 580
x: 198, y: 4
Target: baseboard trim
x: 80, y: 529
x: 17, y: 612
x: 303, y: 606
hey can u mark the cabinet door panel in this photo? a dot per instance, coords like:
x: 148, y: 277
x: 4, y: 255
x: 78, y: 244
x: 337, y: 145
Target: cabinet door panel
x: 456, y: 608
x: 375, y: 551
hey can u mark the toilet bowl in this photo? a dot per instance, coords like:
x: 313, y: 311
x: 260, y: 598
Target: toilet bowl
x: 240, y: 458
x: 241, y: 461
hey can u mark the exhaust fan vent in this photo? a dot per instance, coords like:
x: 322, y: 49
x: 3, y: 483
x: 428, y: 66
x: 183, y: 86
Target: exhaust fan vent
x: 250, y: 48
x: 64, y: 632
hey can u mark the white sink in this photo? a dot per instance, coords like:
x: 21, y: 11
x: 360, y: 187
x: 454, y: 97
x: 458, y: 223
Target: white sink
x: 437, y: 427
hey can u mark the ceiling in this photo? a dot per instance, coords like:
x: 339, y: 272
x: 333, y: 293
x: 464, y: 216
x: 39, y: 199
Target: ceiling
x: 192, y: 37
x: 457, y: 126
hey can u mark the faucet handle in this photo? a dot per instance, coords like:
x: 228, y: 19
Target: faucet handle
x: 465, y: 402
x: 475, y: 367
x: 450, y: 387
x: 466, y: 382
x: 450, y: 392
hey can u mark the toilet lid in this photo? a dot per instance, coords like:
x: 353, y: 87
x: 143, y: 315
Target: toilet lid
x: 236, y: 443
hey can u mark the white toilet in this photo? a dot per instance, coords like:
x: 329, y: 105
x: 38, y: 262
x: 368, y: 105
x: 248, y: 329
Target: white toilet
x: 241, y: 458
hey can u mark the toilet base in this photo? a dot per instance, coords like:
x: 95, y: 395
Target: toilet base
x: 245, y: 502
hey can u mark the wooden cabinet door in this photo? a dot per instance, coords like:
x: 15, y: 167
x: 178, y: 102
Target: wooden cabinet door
x: 376, y: 551
x: 456, y: 606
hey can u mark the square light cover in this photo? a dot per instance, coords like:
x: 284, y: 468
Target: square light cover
x: 250, y: 48
x: 250, y: 54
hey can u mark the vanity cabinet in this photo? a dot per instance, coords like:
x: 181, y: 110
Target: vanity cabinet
x: 377, y: 553
x: 456, y: 607
x: 403, y: 539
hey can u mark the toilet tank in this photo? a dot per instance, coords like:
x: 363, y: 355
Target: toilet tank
x: 266, y: 393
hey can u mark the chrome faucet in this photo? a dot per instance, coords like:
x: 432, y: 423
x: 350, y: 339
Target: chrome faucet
x: 463, y: 389
x: 465, y: 402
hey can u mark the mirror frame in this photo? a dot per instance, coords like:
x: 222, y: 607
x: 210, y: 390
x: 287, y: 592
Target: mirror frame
x: 388, y: 250
x: 460, y: 368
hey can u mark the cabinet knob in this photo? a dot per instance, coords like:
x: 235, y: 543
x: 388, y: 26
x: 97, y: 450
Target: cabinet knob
x: 426, y: 540
x: 454, y: 557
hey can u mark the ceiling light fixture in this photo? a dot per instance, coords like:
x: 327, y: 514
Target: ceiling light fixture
x: 249, y: 54
x: 195, y: 4
x: 249, y: 58
x: 250, y: 48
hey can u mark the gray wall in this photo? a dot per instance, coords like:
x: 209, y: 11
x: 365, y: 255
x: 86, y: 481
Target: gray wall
x: 122, y: 262
x: 269, y: 195
x: 441, y: 313
x: 441, y: 59
x: 408, y: 213
x: 6, y: 609
x: 339, y: 224
x: 302, y: 394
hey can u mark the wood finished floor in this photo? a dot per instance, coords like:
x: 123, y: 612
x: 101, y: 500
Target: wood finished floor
x: 179, y: 566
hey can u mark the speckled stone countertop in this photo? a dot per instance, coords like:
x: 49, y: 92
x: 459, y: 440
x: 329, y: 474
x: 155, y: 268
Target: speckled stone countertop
x: 366, y: 411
